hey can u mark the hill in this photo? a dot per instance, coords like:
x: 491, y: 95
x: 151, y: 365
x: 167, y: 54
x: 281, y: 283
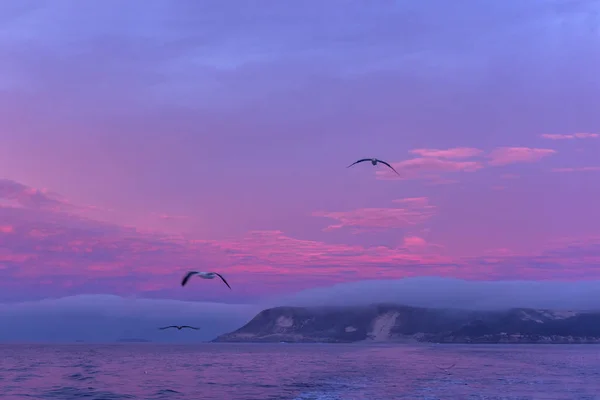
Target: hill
x: 399, y: 323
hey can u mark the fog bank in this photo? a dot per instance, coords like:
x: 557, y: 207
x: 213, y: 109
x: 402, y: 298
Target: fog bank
x: 108, y: 318
x: 456, y: 293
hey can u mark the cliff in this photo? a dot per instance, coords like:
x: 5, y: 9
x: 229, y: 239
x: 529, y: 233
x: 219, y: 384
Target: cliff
x: 398, y: 323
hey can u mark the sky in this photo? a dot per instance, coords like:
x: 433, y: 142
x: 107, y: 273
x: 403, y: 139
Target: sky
x: 142, y: 140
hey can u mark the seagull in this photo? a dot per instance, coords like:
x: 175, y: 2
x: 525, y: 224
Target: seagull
x: 179, y: 327
x: 374, y: 161
x: 446, y: 369
x: 203, y: 275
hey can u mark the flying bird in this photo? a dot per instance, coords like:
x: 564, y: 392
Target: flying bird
x: 374, y: 161
x: 179, y: 327
x: 203, y: 275
x: 446, y: 369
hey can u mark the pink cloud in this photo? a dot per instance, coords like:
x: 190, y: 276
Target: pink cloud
x: 275, y: 250
x: 427, y: 167
x: 501, y: 251
x: 7, y: 257
x: 282, y: 254
x: 570, y: 136
x: 414, y: 242
x: 576, y: 169
x: 6, y: 229
x: 457, y: 152
x: 17, y: 195
x: 171, y: 217
x: 512, y: 155
x: 414, y: 211
x: 421, y: 202
x: 565, y: 259
x: 418, y: 244
x: 25, y: 196
x: 435, y: 180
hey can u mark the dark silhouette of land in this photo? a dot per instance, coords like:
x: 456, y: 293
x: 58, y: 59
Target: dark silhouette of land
x: 398, y: 323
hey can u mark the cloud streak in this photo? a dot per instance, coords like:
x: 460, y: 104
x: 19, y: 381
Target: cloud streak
x: 433, y: 163
x: 24, y: 196
x: 457, y: 152
x: 171, y: 217
x: 570, y: 136
x: 576, y: 169
x: 428, y: 168
x: 514, y: 155
x: 413, y: 211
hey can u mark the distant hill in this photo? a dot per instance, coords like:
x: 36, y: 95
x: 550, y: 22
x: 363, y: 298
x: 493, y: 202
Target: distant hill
x: 399, y: 323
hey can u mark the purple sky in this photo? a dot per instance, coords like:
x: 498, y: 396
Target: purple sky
x: 141, y: 139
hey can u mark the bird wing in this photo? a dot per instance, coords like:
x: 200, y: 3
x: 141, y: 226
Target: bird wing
x: 187, y: 277
x: 191, y: 327
x: 359, y: 161
x: 383, y: 162
x: 167, y: 327
x: 446, y: 368
x: 223, y: 279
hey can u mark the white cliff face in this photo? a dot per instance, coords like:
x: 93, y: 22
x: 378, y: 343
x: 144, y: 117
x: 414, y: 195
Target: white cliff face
x: 282, y: 323
x: 382, y: 327
x: 561, y: 314
x: 350, y: 329
x: 539, y: 315
x: 528, y: 316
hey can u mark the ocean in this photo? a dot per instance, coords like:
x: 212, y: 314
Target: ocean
x: 223, y: 371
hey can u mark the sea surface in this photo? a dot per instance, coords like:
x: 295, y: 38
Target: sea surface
x: 298, y: 371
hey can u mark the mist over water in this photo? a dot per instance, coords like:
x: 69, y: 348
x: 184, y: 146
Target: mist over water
x: 107, y: 318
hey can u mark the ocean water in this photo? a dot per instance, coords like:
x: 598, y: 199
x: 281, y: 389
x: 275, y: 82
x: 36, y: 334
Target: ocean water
x: 298, y: 371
